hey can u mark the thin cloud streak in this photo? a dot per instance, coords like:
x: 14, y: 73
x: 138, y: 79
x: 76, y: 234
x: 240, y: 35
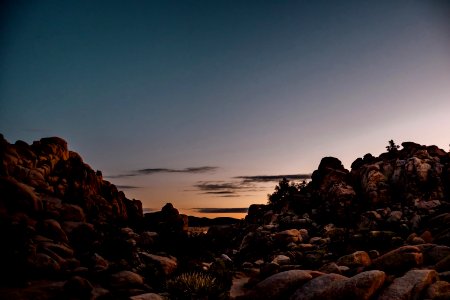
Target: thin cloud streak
x: 204, y: 169
x: 150, y: 171
x: 273, y: 178
x: 128, y: 187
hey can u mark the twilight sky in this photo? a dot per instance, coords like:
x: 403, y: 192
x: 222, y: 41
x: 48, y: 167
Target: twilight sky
x: 192, y: 102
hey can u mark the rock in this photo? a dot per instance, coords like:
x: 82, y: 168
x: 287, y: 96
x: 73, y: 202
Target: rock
x: 440, y: 290
x: 355, y: 260
x: 443, y: 265
x: 167, y: 265
x: 269, y: 269
x: 281, y: 285
x: 147, y: 238
x: 126, y: 280
x: 433, y: 253
x: 330, y: 268
x: 78, y: 286
x: 147, y: 296
x: 71, y: 212
x: 410, y: 286
x: 360, y: 287
x: 400, y: 259
x: 281, y: 260
x: 288, y: 236
x: 315, y: 287
x: 52, y: 229
x: 44, y: 264
x: 17, y: 196
x: 98, y: 263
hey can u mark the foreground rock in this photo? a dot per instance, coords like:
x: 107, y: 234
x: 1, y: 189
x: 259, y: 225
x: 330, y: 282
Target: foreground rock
x: 410, y: 286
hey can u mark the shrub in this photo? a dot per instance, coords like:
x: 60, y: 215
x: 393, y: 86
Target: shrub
x: 196, y: 285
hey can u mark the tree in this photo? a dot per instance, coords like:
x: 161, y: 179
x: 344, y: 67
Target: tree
x: 392, y: 147
x: 283, y: 192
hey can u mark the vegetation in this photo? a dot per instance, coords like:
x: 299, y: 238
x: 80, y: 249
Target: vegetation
x: 285, y: 191
x: 392, y: 147
x: 196, y: 285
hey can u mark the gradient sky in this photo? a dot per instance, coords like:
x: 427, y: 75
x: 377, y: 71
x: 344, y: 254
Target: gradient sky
x: 175, y: 99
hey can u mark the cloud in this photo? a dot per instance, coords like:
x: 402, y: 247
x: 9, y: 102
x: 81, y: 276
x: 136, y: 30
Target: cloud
x: 149, y: 171
x: 204, y: 169
x: 127, y: 187
x: 243, y: 184
x: 273, y: 178
x: 222, y: 210
x: 216, y: 186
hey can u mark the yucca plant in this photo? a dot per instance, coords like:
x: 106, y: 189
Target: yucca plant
x: 195, y: 285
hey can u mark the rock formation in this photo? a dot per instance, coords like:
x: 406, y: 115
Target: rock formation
x: 377, y: 231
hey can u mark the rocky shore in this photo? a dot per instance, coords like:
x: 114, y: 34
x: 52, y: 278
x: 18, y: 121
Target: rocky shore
x: 378, y: 231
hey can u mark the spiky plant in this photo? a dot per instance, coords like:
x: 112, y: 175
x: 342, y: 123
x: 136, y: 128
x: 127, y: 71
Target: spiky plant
x: 195, y: 285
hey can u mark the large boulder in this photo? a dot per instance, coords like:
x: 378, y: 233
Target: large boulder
x: 360, y: 287
x: 314, y: 288
x: 400, y: 259
x: 410, y: 286
x: 280, y: 285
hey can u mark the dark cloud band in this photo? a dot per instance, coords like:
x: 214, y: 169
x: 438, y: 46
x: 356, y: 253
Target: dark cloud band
x: 273, y: 178
x: 149, y: 171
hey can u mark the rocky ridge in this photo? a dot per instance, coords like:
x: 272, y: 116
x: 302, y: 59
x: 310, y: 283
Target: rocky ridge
x: 377, y: 231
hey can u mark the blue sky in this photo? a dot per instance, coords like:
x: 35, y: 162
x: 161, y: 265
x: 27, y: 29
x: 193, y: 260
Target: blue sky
x: 247, y: 88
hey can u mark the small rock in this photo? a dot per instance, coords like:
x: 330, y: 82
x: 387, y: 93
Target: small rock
x: 281, y: 260
x: 355, y: 260
x: 288, y: 236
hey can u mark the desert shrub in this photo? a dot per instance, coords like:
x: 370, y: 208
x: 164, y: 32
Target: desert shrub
x: 196, y: 285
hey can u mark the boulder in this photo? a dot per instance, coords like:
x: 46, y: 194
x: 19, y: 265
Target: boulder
x: 440, y: 290
x: 410, y: 286
x: 288, y: 236
x: 360, y: 287
x: 167, y: 265
x: 315, y: 287
x: 79, y: 287
x: 399, y: 259
x: 126, y: 280
x: 280, y: 285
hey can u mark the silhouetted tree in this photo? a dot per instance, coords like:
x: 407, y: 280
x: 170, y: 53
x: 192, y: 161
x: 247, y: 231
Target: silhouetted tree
x: 284, y: 191
x: 392, y: 147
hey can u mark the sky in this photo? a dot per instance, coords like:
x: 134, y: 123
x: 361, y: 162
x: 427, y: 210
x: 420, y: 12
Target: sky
x: 205, y: 103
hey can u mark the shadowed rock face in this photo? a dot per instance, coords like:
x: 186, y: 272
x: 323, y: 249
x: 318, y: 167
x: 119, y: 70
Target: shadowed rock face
x: 52, y: 207
x: 32, y: 173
